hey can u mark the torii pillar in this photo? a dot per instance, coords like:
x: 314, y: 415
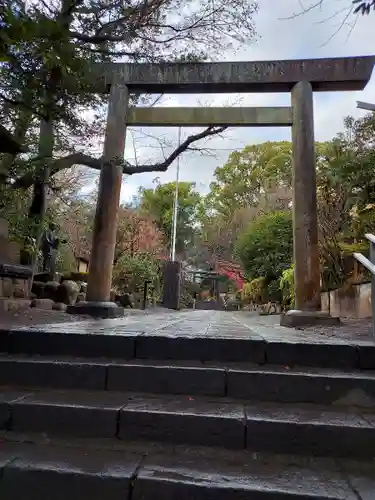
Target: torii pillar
x: 305, y: 221
x: 98, y: 301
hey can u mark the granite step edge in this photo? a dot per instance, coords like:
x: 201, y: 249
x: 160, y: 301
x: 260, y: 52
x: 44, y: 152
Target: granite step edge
x: 178, y: 472
x: 191, y: 348
x: 263, y: 383
x: 180, y: 403
x: 240, y: 366
x: 207, y: 421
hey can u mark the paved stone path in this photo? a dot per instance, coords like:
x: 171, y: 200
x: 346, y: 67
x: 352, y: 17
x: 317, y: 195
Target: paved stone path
x: 211, y: 324
x: 350, y: 331
x: 34, y: 316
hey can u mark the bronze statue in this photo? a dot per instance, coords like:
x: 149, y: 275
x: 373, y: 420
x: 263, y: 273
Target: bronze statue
x: 50, y: 245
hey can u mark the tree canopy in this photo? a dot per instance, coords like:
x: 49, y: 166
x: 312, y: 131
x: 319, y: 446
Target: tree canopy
x: 47, y: 52
x: 250, y: 176
x: 158, y: 203
x: 257, y: 181
x: 266, y: 247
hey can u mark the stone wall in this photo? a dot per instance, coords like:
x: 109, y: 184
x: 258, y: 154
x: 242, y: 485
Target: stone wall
x: 354, y: 302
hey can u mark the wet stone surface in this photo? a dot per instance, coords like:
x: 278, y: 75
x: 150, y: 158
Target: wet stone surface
x: 7, y: 397
x: 308, y: 430
x: 60, y: 471
x: 293, y: 386
x: 166, y: 379
x: 59, y: 474
x: 219, y: 355
x: 184, y: 420
x: 193, y: 378
x: 200, y: 347
x: 194, y: 335
x: 69, y: 413
x: 209, y: 421
x: 312, y: 354
x: 76, y: 343
x: 232, y: 479
x: 27, y: 372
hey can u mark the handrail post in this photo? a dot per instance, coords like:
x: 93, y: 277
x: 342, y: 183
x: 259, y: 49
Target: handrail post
x: 369, y: 264
x: 372, y: 259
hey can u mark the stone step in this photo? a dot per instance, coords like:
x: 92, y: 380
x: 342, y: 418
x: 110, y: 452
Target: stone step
x: 34, y: 472
x: 131, y: 342
x: 280, y: 428
x: 247, y: 382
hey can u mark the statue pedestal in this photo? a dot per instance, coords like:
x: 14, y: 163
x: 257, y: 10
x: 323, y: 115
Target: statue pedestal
x: 97, y: 309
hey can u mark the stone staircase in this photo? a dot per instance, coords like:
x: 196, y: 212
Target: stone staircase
x: 185, y: 406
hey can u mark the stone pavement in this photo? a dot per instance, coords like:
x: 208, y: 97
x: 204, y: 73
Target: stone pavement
x: 155, y: 319
x: 193, y: 405
x: 351, y: 330
x: 218, y: 324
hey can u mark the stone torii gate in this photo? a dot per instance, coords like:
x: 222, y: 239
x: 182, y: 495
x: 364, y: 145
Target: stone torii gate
x: 299, y: 77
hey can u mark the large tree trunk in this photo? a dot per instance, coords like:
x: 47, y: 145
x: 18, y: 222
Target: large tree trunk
x: 38, y: 207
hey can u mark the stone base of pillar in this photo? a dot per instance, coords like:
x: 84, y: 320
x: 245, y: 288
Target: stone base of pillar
x: 299, y: 319
x: 97, y: 309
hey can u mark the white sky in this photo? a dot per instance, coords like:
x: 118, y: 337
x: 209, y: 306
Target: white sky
x: 307, y: 36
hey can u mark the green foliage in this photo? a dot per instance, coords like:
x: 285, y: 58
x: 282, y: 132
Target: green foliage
x: 345, y: 195
x: 158, y: 204
x: 350, y: 248
x: 266, y: 247
x: 253, y: 181
x: 258, y: 180
x: 48, y: 51
x: 130, y: 273
x: 188, y: 289
x: 13, y: 208
x: 45, y: 46
x: 249, y: 176
x: 273, y: 291
x: 255, y: 290
x: 65, y: 260
x: 287, y: 286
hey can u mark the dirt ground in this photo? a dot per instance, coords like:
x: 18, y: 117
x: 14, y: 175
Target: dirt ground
x: 31, y: 316
x: 350, y: 329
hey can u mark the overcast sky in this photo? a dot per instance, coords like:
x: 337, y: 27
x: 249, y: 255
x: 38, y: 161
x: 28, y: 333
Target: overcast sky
x: 308, y: 36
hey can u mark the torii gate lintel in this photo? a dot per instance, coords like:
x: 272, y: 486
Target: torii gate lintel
x: 299, y: 77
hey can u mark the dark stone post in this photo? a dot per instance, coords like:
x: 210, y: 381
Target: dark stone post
x: 145, y: 293
x: 172, y: 285
x: 107, y: 206
x: 305, y: 224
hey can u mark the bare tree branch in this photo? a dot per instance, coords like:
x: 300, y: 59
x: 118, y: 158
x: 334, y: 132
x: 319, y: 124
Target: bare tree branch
x: 163, y: 166
x: 68, y: 161
x: 347, y: 11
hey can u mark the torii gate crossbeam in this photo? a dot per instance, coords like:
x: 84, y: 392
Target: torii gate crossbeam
x: 299, y: 77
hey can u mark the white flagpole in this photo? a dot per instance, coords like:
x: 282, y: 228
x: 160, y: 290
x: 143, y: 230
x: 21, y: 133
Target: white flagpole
x: 175, y: 206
